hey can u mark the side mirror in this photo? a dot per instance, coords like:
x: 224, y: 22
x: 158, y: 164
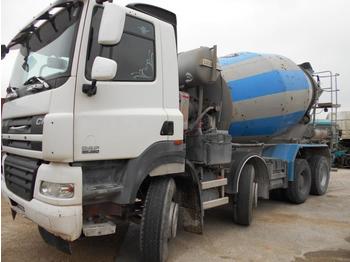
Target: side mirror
x: 112, y: 24
x: 103, y: 69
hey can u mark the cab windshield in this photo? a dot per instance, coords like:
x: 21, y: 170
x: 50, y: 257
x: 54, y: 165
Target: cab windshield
x: 47, y: 51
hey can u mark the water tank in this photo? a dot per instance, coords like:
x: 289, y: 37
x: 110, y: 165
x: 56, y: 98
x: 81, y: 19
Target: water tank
x: 270, y: 94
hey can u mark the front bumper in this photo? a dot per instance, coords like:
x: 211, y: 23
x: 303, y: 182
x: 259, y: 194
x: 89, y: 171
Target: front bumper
x: 63, y: 218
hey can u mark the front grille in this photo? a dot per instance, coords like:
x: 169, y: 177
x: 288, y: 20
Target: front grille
x: 20, y: 174
x: 29, y: 145
x: 31, y: 125
x: 23, y: 125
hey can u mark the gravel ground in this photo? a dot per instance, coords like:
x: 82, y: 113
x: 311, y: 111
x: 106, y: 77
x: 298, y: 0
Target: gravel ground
x: 318, y: 230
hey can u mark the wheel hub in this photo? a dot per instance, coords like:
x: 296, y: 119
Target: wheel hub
x: 255, y: 190
x: 173, y: 218
x: 323, y: 175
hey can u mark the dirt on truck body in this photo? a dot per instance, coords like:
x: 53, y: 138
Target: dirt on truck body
x: 318, y: 230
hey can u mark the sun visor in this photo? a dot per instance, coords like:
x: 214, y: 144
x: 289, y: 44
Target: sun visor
x: 47, y: 26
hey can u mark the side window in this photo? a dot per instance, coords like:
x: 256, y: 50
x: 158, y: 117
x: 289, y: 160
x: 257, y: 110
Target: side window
x: 135, y: 53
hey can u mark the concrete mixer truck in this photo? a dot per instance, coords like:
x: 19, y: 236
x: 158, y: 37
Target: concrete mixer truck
x: 106, y: 123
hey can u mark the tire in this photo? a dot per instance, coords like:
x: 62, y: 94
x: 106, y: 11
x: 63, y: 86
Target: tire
x: 299, y: 189
x: 320, y: 174
x: 159, y: 220
x: 243, y: 204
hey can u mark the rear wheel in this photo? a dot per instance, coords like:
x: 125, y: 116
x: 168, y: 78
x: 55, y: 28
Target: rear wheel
x: 243, y: 204
x: 320, y: 173
x: 299, y: 189
x: 159, y: 220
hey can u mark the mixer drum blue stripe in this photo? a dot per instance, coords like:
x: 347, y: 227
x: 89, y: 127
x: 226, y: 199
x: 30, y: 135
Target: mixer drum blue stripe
x: 267, y: 84
x: 265, y: 126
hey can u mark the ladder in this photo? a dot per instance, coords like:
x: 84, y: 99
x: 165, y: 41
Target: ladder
x: 330, y: 81
x: 220, y: 183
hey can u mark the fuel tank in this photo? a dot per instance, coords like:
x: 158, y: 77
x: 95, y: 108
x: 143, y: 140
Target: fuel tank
x: 270, y: 94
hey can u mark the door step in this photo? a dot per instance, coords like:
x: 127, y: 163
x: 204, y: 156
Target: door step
x: 214, y: 183
x: 215, y: 203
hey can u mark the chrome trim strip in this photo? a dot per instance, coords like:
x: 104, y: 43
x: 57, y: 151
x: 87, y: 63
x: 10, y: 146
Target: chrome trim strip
x: 22, y: 137
x: 23, y: 152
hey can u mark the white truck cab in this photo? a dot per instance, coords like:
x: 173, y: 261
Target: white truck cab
x: 55, y: 131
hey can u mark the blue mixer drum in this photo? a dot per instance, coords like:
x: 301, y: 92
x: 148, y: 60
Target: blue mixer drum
x: 269, y: 93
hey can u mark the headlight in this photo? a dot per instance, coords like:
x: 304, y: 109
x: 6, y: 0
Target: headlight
x: 57, y: 189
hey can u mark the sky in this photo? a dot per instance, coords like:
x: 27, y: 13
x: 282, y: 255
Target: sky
x: 302, y: 30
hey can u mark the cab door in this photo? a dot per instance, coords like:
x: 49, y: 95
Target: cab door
x: 126, y: 115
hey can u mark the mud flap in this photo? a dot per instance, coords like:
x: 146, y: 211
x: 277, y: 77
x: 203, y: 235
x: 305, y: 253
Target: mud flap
x: 13, y: 213
x: 55, y: 241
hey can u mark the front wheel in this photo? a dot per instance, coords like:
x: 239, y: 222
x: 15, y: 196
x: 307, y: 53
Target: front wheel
x: 159, y: 220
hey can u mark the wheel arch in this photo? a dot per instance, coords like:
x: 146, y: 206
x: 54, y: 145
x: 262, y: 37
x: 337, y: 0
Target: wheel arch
x: 189, y: 189
x: 162, y: 158
x: 160, y: 163
x: 239, y: 161
x: 289, y: 152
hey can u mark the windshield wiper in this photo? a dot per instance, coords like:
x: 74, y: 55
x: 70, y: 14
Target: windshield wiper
x: 36, y: 84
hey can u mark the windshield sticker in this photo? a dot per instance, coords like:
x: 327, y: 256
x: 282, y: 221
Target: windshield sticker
x: 143, y: 30
x: 147, y: 71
